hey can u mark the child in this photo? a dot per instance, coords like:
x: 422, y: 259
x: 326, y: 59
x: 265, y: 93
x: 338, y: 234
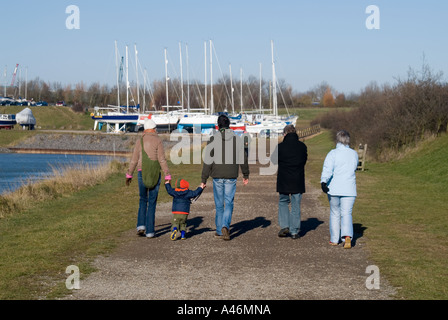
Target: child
x: 181, y: 205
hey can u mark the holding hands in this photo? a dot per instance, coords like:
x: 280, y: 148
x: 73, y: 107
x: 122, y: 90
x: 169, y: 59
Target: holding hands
x: 128, y: 179
x: 167, y: 179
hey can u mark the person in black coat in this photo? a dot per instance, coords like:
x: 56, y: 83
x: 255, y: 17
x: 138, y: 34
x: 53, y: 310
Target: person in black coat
x: 290, y: 156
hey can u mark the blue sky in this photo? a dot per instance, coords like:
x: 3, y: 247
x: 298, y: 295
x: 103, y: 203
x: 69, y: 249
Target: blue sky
x: 314, y: 41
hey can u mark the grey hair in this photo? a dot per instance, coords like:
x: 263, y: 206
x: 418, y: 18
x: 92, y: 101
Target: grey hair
x: 343, y: 137
x: 289, y: 129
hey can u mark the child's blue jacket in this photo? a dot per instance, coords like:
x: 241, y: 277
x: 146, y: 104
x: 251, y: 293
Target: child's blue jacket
x: 181, y: 198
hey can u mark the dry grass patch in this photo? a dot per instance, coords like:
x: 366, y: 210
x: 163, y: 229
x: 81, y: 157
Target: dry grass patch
x: 64, y: 181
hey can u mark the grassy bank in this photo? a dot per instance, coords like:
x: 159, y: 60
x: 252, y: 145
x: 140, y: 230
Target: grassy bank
x: 308, y: 114
x: 8, y: 138
x: 401, y: 212
x: 404, y: 207
x: 47, y: 118
x: 52, y: 117
x: 401, y: 209
x: 64, y: 181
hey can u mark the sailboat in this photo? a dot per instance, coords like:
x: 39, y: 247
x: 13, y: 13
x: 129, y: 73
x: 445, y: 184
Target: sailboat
x: 270, y: 124
x: 118, y: 118
x: 166, y: 121
x: 129, y: 117
x: 237, y: 121
x: 201, y: 120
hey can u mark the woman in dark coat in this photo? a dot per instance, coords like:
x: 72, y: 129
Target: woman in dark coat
x: 291, y: 156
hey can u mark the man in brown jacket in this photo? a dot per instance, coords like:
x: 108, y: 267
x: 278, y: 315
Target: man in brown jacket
x: 153, y: 146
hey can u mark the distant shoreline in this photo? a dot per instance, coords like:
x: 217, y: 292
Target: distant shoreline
x: 5, y: 150
x: 61, y: 151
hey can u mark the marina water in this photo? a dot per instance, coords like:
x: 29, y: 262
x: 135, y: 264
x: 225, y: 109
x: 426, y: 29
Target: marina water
x: 17, y: 169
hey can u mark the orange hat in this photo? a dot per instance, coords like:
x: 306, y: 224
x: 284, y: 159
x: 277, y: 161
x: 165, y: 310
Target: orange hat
x: 184, y: 184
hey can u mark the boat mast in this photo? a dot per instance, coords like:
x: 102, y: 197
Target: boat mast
x: 118, y: 76
x: 20, y: 80
x: 136, y: 73
x: 261, y: 111
x: 231, y: 89
x: 241, y: 89
x: 205, y: 80
x: 166, y: 83
x: 212, y: 106
x: 127, y: 80
x: 26, y: 82
x: 274, y: 82
x: 144, y: 90
x: 6, y: 69
x: 181, y: 75
x: 188, y: 79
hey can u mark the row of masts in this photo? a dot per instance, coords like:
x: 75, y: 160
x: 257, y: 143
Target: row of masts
x: 206, y: 109
x: 17, y: 71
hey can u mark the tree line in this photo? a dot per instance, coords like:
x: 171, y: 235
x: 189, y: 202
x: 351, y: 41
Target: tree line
x: 391, y: 118
x: 246, y: 95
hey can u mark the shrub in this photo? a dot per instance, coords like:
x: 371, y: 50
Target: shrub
x: 328, y: 99
x: 391, y: 119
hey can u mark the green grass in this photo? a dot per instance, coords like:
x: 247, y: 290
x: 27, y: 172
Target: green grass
x: 47, y: 118
x: 402, y: 207
x: 308, y: 114
x: 10, y: 137
x: 318, y: 147
x: 52, y: 117
x: 38, y: 244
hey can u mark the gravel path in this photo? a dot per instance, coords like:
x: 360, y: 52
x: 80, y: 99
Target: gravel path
x: 254, y: 265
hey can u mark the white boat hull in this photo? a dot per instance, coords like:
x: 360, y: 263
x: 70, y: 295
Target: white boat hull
x: 205, y: 123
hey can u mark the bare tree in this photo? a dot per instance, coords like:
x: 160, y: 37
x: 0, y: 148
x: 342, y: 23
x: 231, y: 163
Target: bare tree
x: 328, y: 99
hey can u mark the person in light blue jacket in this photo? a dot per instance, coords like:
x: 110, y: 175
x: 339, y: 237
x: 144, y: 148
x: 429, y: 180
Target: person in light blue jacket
x: 338, y: 181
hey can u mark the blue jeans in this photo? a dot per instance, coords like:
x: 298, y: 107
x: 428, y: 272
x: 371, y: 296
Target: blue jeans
x: 224, y: 193
x: 289, y: 218
x: 147, y: 206
x: 341, y: 222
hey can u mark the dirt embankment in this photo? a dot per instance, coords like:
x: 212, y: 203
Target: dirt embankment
x: 87, y: 143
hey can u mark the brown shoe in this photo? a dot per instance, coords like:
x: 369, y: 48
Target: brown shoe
x: 348, y: 243
x: 225, y: 234
x: 283, y: 232
x: 219, y: 236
